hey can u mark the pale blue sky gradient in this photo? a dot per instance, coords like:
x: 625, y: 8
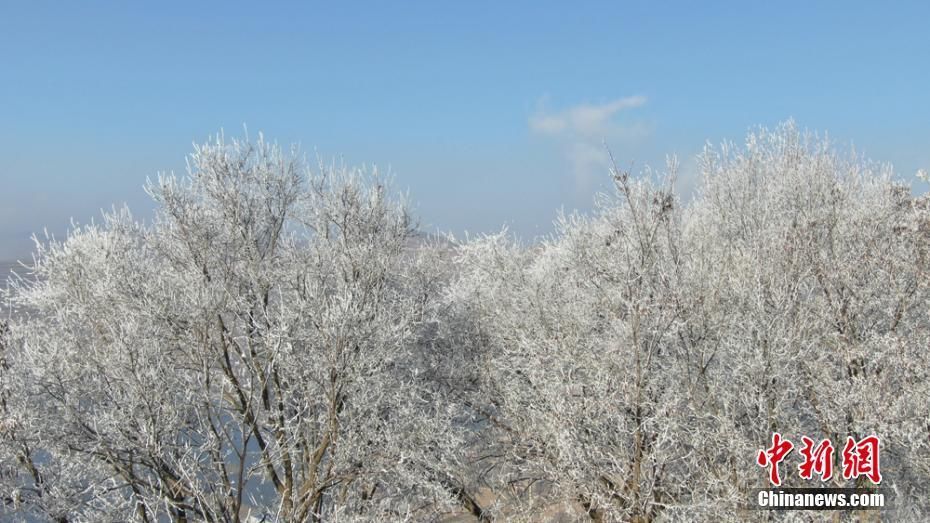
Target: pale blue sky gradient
x: 489, y: 114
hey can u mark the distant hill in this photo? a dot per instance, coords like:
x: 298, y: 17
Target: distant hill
x: 6, y: 267
x: 420, y: 238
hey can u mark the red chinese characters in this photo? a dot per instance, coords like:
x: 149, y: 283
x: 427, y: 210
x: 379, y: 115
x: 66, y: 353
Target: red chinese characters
x: 861, y: 459
x: 819, y: 460
x: 774, y: 455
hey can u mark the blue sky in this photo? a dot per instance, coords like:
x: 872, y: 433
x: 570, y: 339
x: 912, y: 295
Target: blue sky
x: 489, y: 113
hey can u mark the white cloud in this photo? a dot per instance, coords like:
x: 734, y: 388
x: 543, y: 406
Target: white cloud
x: 583, y: 130
x: 587, y: 160
x: 547, y: 124
x: 584, y: 119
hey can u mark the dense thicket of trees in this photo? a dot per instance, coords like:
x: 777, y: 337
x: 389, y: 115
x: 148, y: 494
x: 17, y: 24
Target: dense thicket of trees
x: 280, y: 344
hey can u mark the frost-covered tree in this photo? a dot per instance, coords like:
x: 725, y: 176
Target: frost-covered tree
x: 633, y: 364
x: 279, y: 345
x: 809, y: 273
x: 251, y: 353
x: 581, y: 385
